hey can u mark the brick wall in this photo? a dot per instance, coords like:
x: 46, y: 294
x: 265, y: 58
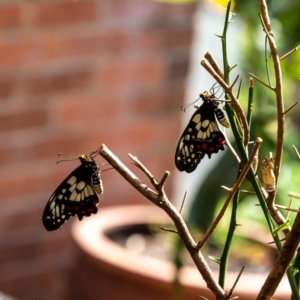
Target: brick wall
x: 74, y: 75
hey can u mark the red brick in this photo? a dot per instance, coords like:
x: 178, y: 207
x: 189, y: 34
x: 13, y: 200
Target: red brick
x: 48, y: 13
x: 133, y: 72
x: 77, y: 74
x: 96, y: 43
x: 13, y: 52
x: 80, y: 107
x: 34, y: 285
x: 7, y: 87
x: 177, y: 65
x: 57, y: 82
x: 10, y: 15
x: 35, y: 248
x: 158, y: 102
x: 23, y: 119
x: 133, y: 10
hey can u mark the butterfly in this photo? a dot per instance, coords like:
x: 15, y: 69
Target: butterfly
x: 76, y: 195
x: 202, y: 134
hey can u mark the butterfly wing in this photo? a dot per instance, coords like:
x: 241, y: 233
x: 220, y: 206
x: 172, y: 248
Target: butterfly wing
x: 201, y: 136
x: 74, y: 196
x: 209, y: 138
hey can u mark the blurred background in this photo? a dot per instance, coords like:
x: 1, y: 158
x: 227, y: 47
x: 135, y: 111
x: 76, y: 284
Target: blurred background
x: 76, y: 74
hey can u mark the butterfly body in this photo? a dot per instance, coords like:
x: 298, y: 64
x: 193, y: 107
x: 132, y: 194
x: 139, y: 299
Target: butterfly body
x: 201, y: 136
x: 76, y: 195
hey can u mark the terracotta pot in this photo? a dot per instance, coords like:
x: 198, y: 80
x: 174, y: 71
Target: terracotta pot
x: 106, y: 270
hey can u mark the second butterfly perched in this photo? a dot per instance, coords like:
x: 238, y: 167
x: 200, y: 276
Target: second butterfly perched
x: 202, y: 135
x: 76, y: 195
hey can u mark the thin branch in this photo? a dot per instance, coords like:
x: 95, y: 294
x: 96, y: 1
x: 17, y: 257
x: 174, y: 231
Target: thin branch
x: 282, y: 263
x: 265, y: 20
x: 296, y: 151
x: 145, y: 170
x: 263, y: 83
x: 169, y: 230
x: 213, y: 63
x: 183, y: 202
x: 290, y: 108
x: 239, y: 90
x: 289, y: 53
x: 162, y: 201
x: 287, y: 208
x: 230, y: 194
x: 226, y: 188
x: 228, y: 144
x: 233, y: 84
x: 294, y: 195
x: 236, y: 281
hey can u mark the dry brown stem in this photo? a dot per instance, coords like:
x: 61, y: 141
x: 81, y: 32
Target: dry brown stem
x: 231, y: 193
x: 285, y: 257
x: 278, y: 89
x: 160, y: 199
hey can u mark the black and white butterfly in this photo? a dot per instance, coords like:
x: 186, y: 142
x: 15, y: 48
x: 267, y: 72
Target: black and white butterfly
x: 202, y: 134
x: 76, y: 195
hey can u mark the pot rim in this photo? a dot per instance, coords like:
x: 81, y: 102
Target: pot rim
x: 89, y: 235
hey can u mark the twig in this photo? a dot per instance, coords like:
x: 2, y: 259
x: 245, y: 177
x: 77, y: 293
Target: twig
x: 230, y: 194
x: 213, y: 63
x: 169, y: 230
x: 290, y: 108
x: 226, y: 188
x: 287, y: 208
x: 158, y: 186
x: 262, y: 82
x: 278, y: 89
x: 233, y: 84
x: 161, y: 200
x: 296, y: 151
x: 265, y: 20
x: 228, y: 144
x: 282, y: 262
x: 183, y: 202
x: 290, y: 52
x: 294, y: 195
x: 239, y: 90
x: 236, y: 281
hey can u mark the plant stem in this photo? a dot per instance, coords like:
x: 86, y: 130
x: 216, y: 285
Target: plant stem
x: 281, y: 265
x: 160, y: 199
x: 232, y: 226
x: 237, y: 133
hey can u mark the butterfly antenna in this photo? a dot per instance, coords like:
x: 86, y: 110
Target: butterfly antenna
x: 94, y: 153
x: 72, y: 158
x: 184, y: 107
